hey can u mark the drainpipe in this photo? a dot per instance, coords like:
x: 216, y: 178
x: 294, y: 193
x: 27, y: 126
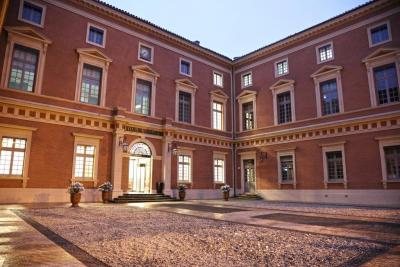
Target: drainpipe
x: 233, y: 123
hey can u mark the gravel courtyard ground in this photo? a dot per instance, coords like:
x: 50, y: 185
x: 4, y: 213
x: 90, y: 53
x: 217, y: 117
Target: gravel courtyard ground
x: 129, y: 236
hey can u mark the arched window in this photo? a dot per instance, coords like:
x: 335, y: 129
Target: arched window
x: 141, y: 150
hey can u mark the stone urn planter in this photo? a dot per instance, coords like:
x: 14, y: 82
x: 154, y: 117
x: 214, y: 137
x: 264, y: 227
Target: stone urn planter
x: 106, y: 196
x: 75, y: 199
x: 182, y: 192
x: 106, y: 191
x: 226, y: 196
x: 75, y: 190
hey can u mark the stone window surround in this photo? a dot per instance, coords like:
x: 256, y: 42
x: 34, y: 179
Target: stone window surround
x: 21, y: 6
x: 276, y: 67
x: 190, y: 68
x: 15, y: 131
x: 88, y: 140
x: 245, y: 97
x: 187, y: 86
x: 185, y: 151
x: 221, y: 97
x: 333, y: 73
x: 286, y: 152
x: 97, y: 27
x: 151, y: 53
x: 393, y: 140
x: 87, y: 56
x: 371, y: 62
x: 387, y: 22
x: 338, y: 146
x: 27, y: 37
x: 318, y: 54
x: 277, y: 88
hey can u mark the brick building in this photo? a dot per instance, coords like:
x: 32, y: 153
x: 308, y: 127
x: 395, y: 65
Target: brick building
x: 313, y: 117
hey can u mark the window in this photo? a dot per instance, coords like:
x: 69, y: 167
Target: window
x: 96, y: 35
x: 143, y: 97
x: 146, y: 53
x: 329, y: 97
x: 184, y: 168
x: 335, y: 165
x: 12, y: 156
x: 185, y: 107
x: 281, y: 68
x: 185, y: 67
x: 247, y: 79
x: 325, y: 53
x: 91, y: 84
x: 392, y: 159
x: 386, y: 84
x: 23, y: 68
x: 284, y: 107
x: 32, y: 13
x: 217, y: 110
x: 219, y: 171
x: 248, y: 116
x: 218, y: 79
x: 84, y: 161
x: 286, y: 167
x: 379, y: 34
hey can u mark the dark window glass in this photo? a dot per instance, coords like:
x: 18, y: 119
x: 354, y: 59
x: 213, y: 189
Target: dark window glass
x: 91, y: 84
x: 185, y: 107
x: 286, y: 168
x: 23, y: 68
x: 379, y: 34
x: 32, y: 13
x: 248, y: 116
x: 143, y: 97
x: 335, y: 165
x: 329, y: 97
x: 185, y: 67
x: 392, y: 158
x: 386, y: 84
x: 284, y: 108
x: 96, y: 35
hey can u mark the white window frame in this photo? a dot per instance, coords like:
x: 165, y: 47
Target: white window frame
x: 245, y: 97
x: 242, y: 79
x: 15, y: 131
x: 393, y: 140
x: 282, y: 153
x: 87, y: 140
x: 279, y: 87
x: 221, y: 97
x: 222, y: 79
x: 332, y: 147
x: 184, y: 152
x: 151, y: 52
x: 190, y: 68
x: 145, y: 73
x: 319, y: 61
x: 97, y: 27
x: 276, y: 67
x: 375, y: 26
x: 21, y: 7
x: 219, y: 156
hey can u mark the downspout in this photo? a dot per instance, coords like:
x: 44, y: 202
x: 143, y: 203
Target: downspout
x: 233, y: 123
x: 3, y: 12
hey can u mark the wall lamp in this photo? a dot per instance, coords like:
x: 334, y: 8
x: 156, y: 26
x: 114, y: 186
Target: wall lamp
x: 172, y: 148
x: 122, y: 142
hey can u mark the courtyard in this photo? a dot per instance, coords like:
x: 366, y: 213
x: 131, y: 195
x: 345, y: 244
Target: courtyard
x: 199, y: 233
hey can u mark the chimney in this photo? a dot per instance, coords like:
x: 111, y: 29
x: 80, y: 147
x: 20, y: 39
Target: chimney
x: 196, y: 42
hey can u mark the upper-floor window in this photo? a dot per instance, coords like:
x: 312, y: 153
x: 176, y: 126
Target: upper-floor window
x: 392, y: 159
x: 12, y: 156
x: 146, y: 53
x: 325, y: 53
x: 32, y: 13
x: 281, y: 67
x: 184, y: 168
x: 386, y: 84
x: 91, y: 84
x: 379, y: 34
x: 284, y: 107
x: 247, y: 79
x: 96, y: 35
x: 185, y: 67
x: 23, y: 68
x: 143, y: 97
x: 217, y: 115
x: 185, y: 107
x: 219, y: 170
x: 329, y: 97
x: 248, y: 116
x: 218, y: 79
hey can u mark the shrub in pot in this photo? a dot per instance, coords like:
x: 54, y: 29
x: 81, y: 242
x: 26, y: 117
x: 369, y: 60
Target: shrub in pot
x: 182, y: 191
x: 106, y: 190
x: 225, y: 191
x: 75, y: 190
x: 160, y: 187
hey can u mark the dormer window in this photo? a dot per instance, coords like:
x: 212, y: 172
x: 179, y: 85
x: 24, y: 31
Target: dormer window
x: 32, y: 13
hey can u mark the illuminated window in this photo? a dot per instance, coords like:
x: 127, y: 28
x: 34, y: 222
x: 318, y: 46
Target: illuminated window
x: 325, y: 53
x: 217, y: 111
x: 12, y: 156
x: 184, y: 168
x: 247, y: 79
x: 84, y: 161
x: 219, y: 170
x: 218, y: 79
x: 281, y: 68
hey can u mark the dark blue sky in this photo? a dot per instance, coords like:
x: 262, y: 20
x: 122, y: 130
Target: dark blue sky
x: 233, y: 27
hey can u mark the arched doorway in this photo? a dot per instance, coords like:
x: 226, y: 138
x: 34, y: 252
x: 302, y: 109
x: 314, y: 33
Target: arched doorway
x: 140, y: 168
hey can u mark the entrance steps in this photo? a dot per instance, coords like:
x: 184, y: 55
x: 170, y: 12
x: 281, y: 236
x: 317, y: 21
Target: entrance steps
x: 137, y: 198
x: 248, y: 197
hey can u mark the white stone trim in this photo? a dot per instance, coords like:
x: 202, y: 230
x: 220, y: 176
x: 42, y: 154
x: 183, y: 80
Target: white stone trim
x: 393, y: 140
x: 242, y: 80
x: 21, y: 5
x: 190, y: 68
x: 279, y: 154
x: 276, y: 67
x: 331, y: 147
x: 243, y: 156
x: 97, y: 27
x: 151, y: 52
x: 276, y: 90
x: 319, y: 56
x: 387, y: 22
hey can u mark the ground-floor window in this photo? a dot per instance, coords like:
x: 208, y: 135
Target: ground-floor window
x: 286, y: 166
x: 184, y: 168
x: 334, y: 165
x: 219, y: 170
x: 392, y: 159
x: 84, y: 161
x: 12, y: 156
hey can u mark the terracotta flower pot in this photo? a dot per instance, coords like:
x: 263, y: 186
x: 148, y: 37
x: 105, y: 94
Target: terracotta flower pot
x: 106, y: 195
x: 226, y: 196
x: 75, y: 199
x: 182, y: 196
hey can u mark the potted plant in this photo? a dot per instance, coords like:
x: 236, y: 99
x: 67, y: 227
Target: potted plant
x: 182, y: 191
x: 106, y: 189
x: 75, y: 190
x: 225, y: 190
x: 160, y: 187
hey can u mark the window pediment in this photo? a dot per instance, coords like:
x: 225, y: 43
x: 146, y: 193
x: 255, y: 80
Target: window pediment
x: 94, y: 53
x: 28, y: 32
x: 246, y: 94
x: 327, y: 69
x: 219, y: 93
x: 382, y: 52
x: 186, y: 83
x: 282, y: 83
x: 145, y: 70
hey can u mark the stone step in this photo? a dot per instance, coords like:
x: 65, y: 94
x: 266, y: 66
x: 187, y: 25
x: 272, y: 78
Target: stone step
x: 141, y: 200
x: 136, y: 198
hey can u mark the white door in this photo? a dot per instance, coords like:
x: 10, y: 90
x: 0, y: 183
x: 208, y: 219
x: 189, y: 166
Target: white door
x: 140, y: 174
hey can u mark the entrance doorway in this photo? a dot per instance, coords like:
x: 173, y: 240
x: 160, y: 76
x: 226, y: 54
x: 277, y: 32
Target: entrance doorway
x: 249, y: 176
x: 140, y: 168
